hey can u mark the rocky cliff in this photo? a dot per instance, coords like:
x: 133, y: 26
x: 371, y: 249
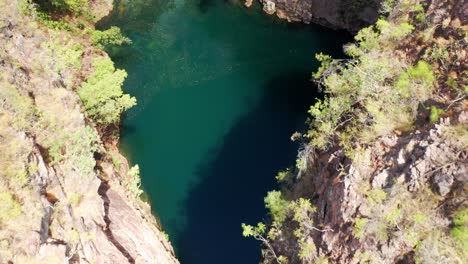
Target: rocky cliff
x: 66, y: 194
x: 338, y: 14
x: 382, y: 173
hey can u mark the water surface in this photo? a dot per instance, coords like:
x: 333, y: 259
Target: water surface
x: 220, y: 90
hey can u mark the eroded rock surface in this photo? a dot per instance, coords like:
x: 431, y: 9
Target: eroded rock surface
x: 338, y: 14
x: 62, y: 198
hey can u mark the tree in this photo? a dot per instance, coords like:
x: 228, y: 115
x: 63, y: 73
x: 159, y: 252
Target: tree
x: 111, y: 36
x: 258, y: 232
x: 102, y: 93
x: 277, y: 206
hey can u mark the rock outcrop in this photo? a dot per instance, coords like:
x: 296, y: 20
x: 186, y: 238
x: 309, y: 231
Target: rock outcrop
x: 63, y: 191
x: 395, y: 197
x: 400, y: 165
x: 338, y: 14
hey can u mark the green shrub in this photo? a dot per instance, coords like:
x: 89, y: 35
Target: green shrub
x: 277, y: 206
x: 360, y: 101
x: 435, y: 114
x: 102, y: 94
x: 359, y: 227
x: 20, y: 106
x: 9, y: 207
x: 460, y: 229
x: 61, y: 6
x: 112, y: 36
x: 303, y: 211
x: 376, y: 196
x: 253, y: 231
x: 285, y: 176
x: 75, y: 149
x: 54, y: 24
x: 63, y: 58
x: 393, y: 32
x: 134, y: 181
x: 417, y: 82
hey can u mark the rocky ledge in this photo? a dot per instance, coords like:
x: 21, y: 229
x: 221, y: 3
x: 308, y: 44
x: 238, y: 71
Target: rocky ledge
x: 338, y: 14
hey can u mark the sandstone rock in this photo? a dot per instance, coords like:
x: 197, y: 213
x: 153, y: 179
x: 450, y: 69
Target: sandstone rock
x: 269, y: 7
x: 380, y: 180
x: 142, y: 243
x: 330, y: 13
x: 52, y: 253
x: 443, y: 183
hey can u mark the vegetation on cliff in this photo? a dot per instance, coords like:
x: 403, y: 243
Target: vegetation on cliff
x: 393, y: 124
x: 60, y: 95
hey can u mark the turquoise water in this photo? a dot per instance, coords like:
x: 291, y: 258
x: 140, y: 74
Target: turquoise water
x: 220, y: 90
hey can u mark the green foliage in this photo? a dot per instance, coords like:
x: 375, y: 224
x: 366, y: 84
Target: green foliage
x: 76, y: 148
x: 285, y: 176
x: 116, y: 160
x: 364, y: 258
x: 27, y: 7
x: 394, y: 216
x: 376, y: 196
x: 361, y: 102
x: 283, y: 260
x: 277, y: 206
x: 74, y: 6
x: 111, y: 36
x: 63, y: 57
x: 387, y: 6
x: 300, y: 162
x: 435, y: 114
x: 457, y: 135
x: 102, y: 93
x: 418, y: 13
x: 307, y: 249
x: 325, y: 63
x: 417, y: 82
x: 440, y: 248
x: 253, y: 231
x: 46, y: 19
x: 303, y: 211
x: 9, y: 207
x: 359, y: 227
x: 166, y: 235
x: 134, y: 182
x: 327, y: 115
x: 419, y: 218
x: 368, y: 40
x: 460, y: 229
x: 20, y: 106
x: 393, y: 32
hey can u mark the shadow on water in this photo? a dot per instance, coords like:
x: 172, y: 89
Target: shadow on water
x: 235, y: 176
x: 204, y: 5
x: 235, y: 180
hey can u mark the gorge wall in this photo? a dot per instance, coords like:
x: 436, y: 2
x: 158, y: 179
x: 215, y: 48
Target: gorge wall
x: 381, y: 176
x: 66, y: 193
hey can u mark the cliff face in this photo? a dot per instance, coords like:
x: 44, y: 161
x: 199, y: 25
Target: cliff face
x: 423, y: 174
x: 382, y: 175
x: 339, y: 14
x: 64, y: 192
